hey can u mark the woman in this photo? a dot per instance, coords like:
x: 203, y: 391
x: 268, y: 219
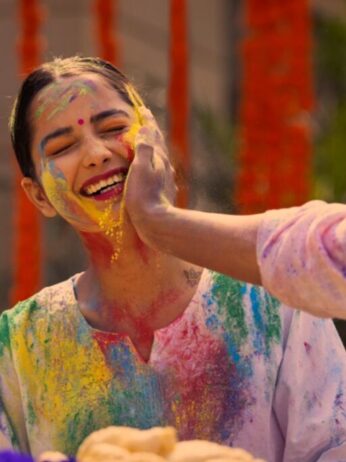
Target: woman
x: 142, y: 338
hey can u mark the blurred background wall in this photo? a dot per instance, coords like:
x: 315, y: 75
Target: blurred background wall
x: 215, y: 30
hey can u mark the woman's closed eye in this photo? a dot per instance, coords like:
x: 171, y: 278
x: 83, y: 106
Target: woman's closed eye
x: 60, y: 149
x: 113, y: 130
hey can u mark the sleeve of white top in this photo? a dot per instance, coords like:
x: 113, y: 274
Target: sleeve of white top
x: 12, y: 423
x: 301, y: 253
x: 309, y: 401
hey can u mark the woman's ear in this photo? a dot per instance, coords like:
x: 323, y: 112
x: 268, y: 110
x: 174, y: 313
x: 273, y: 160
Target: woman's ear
x: 38, y: 197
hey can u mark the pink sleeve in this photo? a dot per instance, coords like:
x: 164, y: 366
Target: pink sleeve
x: 301, y: 253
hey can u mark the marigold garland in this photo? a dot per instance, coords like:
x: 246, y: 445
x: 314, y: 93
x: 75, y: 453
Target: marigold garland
x: 106, y: 30
x: 275, y: 152
x: 27, y: 251
x: 178, y: 95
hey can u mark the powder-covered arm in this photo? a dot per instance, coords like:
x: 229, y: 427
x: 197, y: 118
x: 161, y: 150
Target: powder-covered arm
x: 302, y: 257
x: 309, y: 401
x: 301, y: 252
x: 12, y: 425
x: 223, y: 243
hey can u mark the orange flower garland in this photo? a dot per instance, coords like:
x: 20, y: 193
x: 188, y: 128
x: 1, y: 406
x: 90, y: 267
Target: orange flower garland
x: 178, y: 98
x: 27, y: 232
x: 275, y: 153
x: 107, y: 40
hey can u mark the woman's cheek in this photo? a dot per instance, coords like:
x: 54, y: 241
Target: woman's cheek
x: 79, y: 211
x: 61, y: 196
x: 128, y: 140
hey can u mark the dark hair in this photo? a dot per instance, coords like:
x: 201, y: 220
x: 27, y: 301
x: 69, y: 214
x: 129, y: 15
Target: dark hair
x: 20, y: 126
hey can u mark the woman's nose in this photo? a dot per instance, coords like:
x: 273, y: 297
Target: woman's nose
x: 95, y: 153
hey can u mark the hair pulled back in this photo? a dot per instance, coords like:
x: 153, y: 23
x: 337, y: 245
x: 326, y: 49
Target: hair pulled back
x: 20, y: 123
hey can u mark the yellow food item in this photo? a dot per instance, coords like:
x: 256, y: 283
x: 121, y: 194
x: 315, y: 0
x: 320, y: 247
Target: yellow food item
x: 206, y: 451
x: 52, y: 456
x: 158, y: 444
x: 157, y: 440
x: 104, y: 452
x: 145, y: 457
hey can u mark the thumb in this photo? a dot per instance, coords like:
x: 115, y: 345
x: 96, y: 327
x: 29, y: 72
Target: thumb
x: 144, y: 153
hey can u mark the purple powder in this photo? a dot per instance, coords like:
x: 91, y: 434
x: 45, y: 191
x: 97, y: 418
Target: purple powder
x: 10, y: 456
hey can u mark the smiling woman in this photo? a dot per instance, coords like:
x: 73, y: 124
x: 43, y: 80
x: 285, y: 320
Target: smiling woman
x: 141, y: 338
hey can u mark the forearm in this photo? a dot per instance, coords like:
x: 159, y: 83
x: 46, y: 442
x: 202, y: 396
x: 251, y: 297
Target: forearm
x: 224, y: 243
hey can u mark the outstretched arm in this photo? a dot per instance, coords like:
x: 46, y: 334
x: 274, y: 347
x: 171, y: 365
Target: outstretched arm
x: 224, y: 243
x: 298, y: 254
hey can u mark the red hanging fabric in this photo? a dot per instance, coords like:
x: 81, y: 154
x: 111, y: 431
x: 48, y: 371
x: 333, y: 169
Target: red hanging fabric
x: 276, y: 148
x: 178, y: 95
x: 106, y: 30
x: 27, y: 233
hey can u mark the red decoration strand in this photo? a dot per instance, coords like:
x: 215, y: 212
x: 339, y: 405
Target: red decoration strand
x: 276, y: 148
x: 178, y: 94
x: 27, y: 243
x: 106, y: 30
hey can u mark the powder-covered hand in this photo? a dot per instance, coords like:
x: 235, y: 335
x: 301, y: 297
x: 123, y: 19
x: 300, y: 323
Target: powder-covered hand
x: 150, y: 187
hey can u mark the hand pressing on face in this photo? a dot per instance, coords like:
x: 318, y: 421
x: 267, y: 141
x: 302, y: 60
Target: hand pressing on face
x: 150, y: 187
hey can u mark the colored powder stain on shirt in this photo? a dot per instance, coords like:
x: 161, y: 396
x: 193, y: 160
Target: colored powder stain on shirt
x: 79, y: 426
x: 4, y: 335
x: 273, y: 321
x: 56, y: 396
x: 257, y: 311
x: 307, y: 347
x: 82, y: 379
x: 31, y: 414
x: 138, y: 400
x: 228, y: 294
x: 266, y: 320
x: 339, y: 414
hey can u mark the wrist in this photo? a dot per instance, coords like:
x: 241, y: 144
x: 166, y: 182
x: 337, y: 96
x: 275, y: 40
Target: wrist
x: 156, y: 225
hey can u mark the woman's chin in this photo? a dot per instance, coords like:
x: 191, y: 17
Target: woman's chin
x: 104, y: 219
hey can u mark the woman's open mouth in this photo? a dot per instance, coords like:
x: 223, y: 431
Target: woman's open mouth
x: 107, y: 186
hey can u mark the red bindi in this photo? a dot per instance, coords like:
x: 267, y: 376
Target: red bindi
x: 80, y: 121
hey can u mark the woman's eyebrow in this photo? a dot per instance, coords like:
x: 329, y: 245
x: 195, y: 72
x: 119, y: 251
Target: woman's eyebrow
x: 94, y: 119
x: 110, y: 112
x: 55, y: 134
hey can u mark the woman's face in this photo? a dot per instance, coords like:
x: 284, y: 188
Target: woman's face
x: 79, y: 149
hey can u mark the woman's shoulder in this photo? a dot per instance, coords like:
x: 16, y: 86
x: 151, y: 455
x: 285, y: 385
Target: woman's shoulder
x: 229, y: 292
x: 53, y: 298
x: 246, y: 307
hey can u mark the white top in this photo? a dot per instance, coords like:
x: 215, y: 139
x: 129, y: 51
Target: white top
x: 236, y: 368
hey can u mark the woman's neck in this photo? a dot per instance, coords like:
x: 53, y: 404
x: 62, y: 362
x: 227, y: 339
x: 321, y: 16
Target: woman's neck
x: 141, y: 291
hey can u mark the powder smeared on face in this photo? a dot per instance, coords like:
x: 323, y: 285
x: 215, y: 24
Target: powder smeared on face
x: 64, y: 96
x: 75, y: 207
x: 108, y: 225
x: 130, y: 136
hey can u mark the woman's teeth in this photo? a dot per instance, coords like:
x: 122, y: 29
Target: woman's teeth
x: 104, y: 185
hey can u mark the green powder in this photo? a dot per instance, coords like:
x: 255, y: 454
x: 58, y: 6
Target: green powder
x: 228, y: 294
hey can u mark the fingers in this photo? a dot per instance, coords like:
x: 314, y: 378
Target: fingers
x: 144, y: 152
x: 148, y: 156
x: 149, y: 122
x: 150, y: 135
